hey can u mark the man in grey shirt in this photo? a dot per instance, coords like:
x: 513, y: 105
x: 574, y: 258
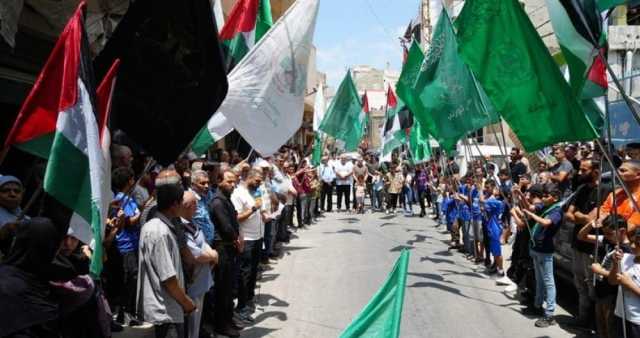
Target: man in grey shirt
x: 162, y: 300
x: 562, y: 172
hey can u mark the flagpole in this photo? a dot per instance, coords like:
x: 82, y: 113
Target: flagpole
x: 3, y: 154
x: 613, y: 193
x: 609, y: 69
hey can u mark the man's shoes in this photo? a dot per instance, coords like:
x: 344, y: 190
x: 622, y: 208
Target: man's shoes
x: 504, y: 281
x: 120, y: 318
x: 513, y: 287
x: 228, y: 331
x: 545, y: 322
x: 134, y: 322
x: 533, y: 311
x: 115, y: 327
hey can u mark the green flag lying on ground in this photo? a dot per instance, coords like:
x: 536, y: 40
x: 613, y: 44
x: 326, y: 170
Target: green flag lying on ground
x: 509, y: 59
x: 451, y: 102
x: 382, y: 316
x: 342, y: 119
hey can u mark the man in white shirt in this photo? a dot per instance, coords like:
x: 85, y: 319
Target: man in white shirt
x: 247, y: 200
x: 344, y: 179
x: 327, y: 176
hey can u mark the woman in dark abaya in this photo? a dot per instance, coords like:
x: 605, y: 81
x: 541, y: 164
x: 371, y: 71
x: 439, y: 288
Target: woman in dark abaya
x: 27, y: 307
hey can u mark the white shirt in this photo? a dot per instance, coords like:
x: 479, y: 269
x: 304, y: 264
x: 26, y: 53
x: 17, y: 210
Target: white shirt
x: 326, y: 174
x: 251, y: 228
x: 631, y: 300
x: 344, y: 169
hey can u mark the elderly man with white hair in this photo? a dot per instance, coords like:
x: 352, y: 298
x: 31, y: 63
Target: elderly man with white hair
x: 206, y: 257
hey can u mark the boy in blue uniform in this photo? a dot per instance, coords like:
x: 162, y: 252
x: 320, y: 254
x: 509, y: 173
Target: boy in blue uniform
x: 493, y: 209
x: 464, y: 197
x: 450, y: 211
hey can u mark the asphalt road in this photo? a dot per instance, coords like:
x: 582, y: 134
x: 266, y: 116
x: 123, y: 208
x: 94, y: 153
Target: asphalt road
x: 330, y: 271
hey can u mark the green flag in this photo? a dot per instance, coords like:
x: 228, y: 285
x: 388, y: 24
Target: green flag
x: 408, y: 77
x: 507, y: 55
x: 382, y: 316
x: 316, y: 156
x: 450, y: 102
x: 419, y: 144
x: 604, y: 5
x: 342, y: 119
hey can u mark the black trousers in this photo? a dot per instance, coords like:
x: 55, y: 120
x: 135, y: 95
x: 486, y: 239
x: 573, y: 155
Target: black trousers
x: 285, y: 220
x: 299, y: 211
x: 326, y: 194
x: 130, y: 279
x: 224, y: 276
x: 249, y: 260
x: 422, y: 195
x: 344, y: 190
x: 169, y: 330
x: 392, y: 200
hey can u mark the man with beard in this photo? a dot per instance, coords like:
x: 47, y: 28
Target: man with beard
x: 580, y: 213
x: 247, y: 200
x: 228, y: 243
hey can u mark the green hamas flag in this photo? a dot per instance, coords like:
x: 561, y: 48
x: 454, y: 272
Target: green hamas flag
x: 316, y: 156
x: 342, y: 119
x: 382, y: 316
x: 504, y: 51
x: 450, y: 102
x: 419, y: 144
x: 408, y: 76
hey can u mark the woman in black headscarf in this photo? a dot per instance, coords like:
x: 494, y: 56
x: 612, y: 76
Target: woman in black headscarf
x: 27, y: 307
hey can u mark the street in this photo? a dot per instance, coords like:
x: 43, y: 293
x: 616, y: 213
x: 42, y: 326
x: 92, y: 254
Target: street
x: 329, y: 272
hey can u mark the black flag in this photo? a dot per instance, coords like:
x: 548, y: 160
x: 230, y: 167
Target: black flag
x: 172, y: 77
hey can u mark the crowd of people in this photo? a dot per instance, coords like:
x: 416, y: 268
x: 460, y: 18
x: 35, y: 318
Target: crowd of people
x: 519, y: 207
x: 185, y: 245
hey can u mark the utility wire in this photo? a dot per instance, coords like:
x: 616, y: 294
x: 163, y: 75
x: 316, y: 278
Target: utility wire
x: 382, y: 25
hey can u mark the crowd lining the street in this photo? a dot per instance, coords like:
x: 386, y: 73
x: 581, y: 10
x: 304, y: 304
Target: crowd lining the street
x: 186, y: 245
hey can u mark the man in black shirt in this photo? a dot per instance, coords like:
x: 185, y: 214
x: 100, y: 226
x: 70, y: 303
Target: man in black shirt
x: 228, y: 244
x: 581, y: 211
x: 516, y: 165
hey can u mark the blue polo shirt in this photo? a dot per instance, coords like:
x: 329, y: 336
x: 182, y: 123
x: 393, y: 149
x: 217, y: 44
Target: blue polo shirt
x: 493, y: 209
x: 450, y: 208
x: 128, y: 237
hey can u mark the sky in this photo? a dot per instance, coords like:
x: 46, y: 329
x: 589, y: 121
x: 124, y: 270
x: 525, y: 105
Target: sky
x: 360, y: 32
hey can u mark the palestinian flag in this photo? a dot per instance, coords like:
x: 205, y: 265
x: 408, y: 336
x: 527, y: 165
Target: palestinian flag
x: 58, y: 121
x: 247, y: 23
x: 217, y: 128
x: 398, y: 120
x: 578, y: 27
x: 364, y: 114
